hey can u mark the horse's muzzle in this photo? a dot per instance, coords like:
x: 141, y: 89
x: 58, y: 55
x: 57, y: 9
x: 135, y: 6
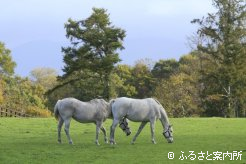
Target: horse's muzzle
x: 128, y: 133
x: 170, y: 141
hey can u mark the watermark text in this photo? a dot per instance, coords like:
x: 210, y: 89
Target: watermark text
x: 192, y: 155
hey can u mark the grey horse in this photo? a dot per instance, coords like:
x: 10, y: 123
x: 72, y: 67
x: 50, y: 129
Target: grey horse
x: 140, y: 110
x: 95, y: 111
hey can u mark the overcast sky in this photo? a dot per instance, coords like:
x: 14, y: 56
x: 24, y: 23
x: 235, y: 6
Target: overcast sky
x: 158, y: 29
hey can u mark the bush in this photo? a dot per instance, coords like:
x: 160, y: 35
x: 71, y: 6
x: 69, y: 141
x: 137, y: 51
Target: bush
x: 37, y: 112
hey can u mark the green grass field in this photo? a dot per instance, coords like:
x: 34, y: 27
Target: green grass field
x: 35, y: 141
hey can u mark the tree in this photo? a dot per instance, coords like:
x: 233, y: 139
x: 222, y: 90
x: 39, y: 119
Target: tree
x: 7, y: 65
x: 224, y: 39
x: 1, y: 91
x: 174, y: 94
x: 178, y: 86
x: 142, y: 80
x: 165, y: 68
x: 95, y: 42
x: 23, y: 95
x: 122, y: 82
x: 45, y: 77
x: 19, y: 93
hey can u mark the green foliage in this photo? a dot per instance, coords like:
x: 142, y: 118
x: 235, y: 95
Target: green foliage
x: 165, y: 68
x: 143, y: 80
x: 1, y: 91
x: 121, y: 82
x: 176, y: 96
x: 81, y: 86
x: 35, y: 141
x: 178, y: 85
x: 223, y: 34
x: 18, y: 93
x: 7, y: 65
x: 22, y: 95
x: 95, y: 42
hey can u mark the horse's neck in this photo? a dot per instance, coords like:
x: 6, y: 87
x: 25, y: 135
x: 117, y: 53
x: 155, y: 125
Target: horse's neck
x: 164, y: 119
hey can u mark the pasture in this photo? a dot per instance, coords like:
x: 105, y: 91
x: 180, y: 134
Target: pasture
x: 34, y: 140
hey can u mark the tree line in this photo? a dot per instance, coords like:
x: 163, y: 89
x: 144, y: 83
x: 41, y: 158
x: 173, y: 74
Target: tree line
x: 209, y: 81
x: 18, y: 93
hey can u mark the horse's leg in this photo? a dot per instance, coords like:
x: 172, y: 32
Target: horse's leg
x: 138, y: 132
x: 98, y: 126
x: 112, y: 130
x: 105, y: 134
x: 67, y: 125
x: 59, y: 126
x: 152, y: 129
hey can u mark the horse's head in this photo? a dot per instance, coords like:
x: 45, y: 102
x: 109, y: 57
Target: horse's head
x: 168, y: 133
x: 124, y: 126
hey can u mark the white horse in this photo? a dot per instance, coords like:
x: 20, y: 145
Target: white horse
x: 95, y: 111
x: 140, y: 110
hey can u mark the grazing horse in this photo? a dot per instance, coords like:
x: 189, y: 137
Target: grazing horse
x: 95, y: 111
x: 139, y: 110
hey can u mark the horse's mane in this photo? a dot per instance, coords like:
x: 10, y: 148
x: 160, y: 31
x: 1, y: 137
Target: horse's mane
x: 157, y: 101
x: 93, y: 101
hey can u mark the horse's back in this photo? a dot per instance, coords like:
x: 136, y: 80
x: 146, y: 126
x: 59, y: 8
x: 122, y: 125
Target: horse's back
x: 136, y: 109
x: 68, y: 107
x: 138, y: 104
x: 83, y: 112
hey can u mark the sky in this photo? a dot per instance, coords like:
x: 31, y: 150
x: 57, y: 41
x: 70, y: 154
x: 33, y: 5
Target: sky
x: 158, y: 29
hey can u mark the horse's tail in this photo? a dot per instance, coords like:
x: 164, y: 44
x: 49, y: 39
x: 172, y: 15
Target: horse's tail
x: 110, y: 107
x: 56, y: 112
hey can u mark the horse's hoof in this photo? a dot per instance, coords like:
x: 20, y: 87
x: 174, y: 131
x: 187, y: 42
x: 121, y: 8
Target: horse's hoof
x: 112, y: 143
x: 70, y: 143
x: 106, y: 140
x: 153, y: 142
x: 132, y: 143
x: 59, y: 141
